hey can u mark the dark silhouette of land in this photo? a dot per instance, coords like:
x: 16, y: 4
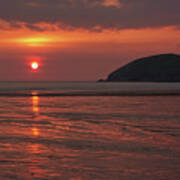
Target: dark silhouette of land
x: 159, y: 68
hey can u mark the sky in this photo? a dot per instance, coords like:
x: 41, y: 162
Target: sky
x: 82, y: 40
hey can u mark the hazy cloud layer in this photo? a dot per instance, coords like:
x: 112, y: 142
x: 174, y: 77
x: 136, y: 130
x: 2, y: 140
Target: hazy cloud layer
x: 90, y: 14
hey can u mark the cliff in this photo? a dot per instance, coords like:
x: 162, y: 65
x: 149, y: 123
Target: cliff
x: 159, y: 68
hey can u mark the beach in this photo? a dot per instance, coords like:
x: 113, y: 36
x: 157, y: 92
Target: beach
x: 51, y: 137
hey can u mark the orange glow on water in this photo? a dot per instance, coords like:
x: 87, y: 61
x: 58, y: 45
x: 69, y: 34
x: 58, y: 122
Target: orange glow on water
x: 35, y: 100
x: 35, y: 103
x: 35, y: 109
x: 35, y: 131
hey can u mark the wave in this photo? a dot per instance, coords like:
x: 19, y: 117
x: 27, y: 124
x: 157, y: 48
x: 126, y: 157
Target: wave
x: 52, y: 93
x: 88, y: 89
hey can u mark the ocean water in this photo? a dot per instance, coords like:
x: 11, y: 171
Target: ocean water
x: 89, y: 131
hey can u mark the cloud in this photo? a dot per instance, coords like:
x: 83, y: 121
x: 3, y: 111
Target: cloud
x: 90, y: 14
x: 113, y: 3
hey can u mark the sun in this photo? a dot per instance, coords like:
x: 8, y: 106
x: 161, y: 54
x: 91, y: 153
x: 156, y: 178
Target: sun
x: 34, y: 65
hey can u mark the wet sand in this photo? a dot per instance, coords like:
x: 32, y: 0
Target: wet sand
x: 50, y: 137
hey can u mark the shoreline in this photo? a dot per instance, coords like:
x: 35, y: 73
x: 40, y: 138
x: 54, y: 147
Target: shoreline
x: 54, y: 93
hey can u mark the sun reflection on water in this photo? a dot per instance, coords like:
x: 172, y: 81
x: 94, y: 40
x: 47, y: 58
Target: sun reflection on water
x: 35, y: 131
x: 35, y: 108
x: 35, y: 104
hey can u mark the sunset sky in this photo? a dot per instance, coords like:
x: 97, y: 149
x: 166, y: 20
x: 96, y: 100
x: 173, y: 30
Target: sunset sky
x: 79, y: 40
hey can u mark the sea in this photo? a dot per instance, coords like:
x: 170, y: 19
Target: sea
x: 89, y: 131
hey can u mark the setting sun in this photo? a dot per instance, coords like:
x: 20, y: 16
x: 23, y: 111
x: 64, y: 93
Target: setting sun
x: 34, y: 65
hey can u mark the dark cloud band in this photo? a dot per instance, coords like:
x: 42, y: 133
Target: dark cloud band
x: 90, y: 14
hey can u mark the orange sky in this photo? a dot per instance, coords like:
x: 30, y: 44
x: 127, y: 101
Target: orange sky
x: 80, y: 54
x: 79, y: 40
x: 26, y: 37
